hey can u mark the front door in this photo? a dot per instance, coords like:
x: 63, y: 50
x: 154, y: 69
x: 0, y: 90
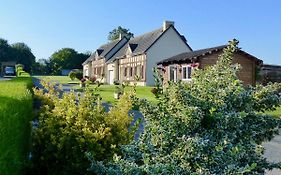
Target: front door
x: 111, y: 76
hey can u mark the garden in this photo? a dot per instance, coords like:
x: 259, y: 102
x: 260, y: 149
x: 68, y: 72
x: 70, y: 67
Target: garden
x: 212, y: 125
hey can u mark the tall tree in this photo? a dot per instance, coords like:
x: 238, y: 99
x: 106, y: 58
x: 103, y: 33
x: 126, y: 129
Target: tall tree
x: 114, y: 34
x: 5, y: 50
x: 67, y: 58
x: 23, y: 55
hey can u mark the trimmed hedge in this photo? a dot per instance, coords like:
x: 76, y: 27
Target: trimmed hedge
x: 20, y: 72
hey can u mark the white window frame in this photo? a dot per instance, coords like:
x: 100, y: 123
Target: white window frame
x: 187, y: 66
x: 175, y: 74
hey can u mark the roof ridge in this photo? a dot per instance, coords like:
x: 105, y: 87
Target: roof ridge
x: 139, y: 36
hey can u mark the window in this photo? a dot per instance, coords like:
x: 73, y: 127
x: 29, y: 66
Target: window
x: 142, y: 72
x: 131, y: 71
x: 173, y: 73
x: 186, y: 72
x: 125, y: 72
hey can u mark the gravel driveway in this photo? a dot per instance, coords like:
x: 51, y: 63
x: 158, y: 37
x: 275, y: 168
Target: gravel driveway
x: 273, y: 153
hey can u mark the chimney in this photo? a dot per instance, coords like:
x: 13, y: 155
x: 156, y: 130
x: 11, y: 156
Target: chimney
x: 167, y: 24
x: 121, y: 35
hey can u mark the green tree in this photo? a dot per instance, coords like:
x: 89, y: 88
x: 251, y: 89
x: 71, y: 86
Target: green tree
x: 114, y: 34
x: 6, y: 52
x: 23, y: 55
x: 67, y: 58
x: 212, y: 125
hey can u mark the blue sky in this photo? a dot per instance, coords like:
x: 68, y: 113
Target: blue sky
x: 47, y: 26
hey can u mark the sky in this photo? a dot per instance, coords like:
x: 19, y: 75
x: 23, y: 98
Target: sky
x: 47, y: 26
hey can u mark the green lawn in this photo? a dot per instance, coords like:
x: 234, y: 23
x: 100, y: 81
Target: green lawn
x: 106, y: 91
x: 276, y: 113
x: 15, y: 128
x: 57, y: 79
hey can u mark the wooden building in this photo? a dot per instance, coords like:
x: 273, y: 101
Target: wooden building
x: 180, y: 67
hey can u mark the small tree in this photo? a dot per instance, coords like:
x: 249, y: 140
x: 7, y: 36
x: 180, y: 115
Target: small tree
x: 212, y: 125
x: 114, y: 34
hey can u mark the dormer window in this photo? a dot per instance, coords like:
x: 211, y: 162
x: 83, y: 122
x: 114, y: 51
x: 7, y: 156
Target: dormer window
x: 131, y: 48
x: 99, y: 51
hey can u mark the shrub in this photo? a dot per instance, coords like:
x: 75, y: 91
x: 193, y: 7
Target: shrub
x: 72, y: 75
x: 212, y: 125
x: 70, y: 126
x: 79, y: 75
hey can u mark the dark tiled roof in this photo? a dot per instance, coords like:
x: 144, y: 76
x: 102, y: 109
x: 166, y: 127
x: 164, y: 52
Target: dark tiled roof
x: 139, y: 44
x: 102, y: 51
x: 188, y: 56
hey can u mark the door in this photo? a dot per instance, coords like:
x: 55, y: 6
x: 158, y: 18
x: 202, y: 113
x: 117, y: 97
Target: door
x: 111, y: 76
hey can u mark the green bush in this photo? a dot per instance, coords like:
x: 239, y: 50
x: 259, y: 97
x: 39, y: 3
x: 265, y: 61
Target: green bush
x: 72, y: 75
x: 211, y: 125
x: 79, y: 75
x: 68, y: 130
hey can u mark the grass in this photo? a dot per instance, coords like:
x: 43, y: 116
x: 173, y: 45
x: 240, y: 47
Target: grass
x: 15, y: 128
x: 58, y: 79
x: 276, y: 113
x: 106, y: 91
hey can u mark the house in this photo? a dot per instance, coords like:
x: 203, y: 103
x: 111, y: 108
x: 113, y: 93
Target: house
x: 136, y: 56
x: 179, y: 67
x: 95, y: 65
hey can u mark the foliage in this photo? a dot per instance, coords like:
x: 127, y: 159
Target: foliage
x: 15, y: 129
x: 67, y: 58
x: 23, y: 55
x: 41, y: 67
x: 71, y: 125
x: 211, y: 125
x: 20, y: 72
x: 18, y: 52
x: 79, y: 75
x: 72, y: 75
x: 114, y: 34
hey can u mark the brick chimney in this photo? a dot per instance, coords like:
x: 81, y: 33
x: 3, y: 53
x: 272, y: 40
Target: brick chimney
x: 167, y: 24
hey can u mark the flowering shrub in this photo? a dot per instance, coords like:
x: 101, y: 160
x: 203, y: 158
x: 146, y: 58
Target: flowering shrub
x: 71, y: 126
x: 211, y: 125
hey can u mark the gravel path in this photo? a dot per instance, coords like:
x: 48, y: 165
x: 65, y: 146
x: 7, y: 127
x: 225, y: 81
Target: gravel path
x: 273, y: 153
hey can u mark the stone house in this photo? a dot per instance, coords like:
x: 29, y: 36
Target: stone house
x: 136, y: 56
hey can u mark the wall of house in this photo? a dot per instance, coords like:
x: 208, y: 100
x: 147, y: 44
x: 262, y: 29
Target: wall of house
x: 246, y: 73
x: 134, y: 62
x: 85, y: 70
x: 100, y: 64
x: 168, y: 45
x: 248, y: 66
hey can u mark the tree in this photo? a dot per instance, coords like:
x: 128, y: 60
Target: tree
x: 5, y: 50
x: 67, y: 58
x: 23, y: 55
x: 212, y: 125
x: 114, y: 34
